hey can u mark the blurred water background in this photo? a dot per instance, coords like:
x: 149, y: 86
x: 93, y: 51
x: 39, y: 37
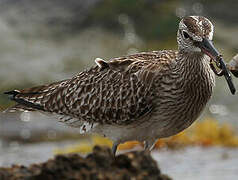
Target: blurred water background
x: 45, y: 41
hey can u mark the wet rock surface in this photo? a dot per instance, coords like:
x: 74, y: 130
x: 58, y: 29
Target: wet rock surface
x: 99, y: 165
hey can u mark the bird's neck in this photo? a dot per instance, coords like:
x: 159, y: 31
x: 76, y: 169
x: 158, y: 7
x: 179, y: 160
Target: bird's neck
x: 195, y: 72
x: 194, y: 64
x: 195, y: 80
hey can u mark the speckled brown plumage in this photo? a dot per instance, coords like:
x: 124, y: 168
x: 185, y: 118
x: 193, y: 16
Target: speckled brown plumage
x: 143, y: 96
x: 119, y: 94
x: 199, y: 26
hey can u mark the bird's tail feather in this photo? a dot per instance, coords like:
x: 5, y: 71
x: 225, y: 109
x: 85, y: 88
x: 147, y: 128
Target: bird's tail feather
x: 32, y: 99
x: 18, y: 108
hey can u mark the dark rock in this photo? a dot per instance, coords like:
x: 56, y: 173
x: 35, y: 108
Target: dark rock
x: 99, y: 165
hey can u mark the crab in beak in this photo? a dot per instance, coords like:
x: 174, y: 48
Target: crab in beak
x: 208, y: 48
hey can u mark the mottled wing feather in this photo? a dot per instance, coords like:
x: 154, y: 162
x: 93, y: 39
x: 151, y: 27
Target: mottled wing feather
x: 31, y: 99
x: 119, y: 94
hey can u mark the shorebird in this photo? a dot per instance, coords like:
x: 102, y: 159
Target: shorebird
x: 144, y: 96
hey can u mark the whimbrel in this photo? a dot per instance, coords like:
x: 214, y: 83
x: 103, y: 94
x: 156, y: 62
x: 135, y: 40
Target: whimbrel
x: 144, y: 96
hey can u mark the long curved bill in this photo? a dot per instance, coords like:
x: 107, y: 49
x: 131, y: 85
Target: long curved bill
x: 208, y: 48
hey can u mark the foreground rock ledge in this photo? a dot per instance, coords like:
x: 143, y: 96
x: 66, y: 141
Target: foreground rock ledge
x: 99, y: 165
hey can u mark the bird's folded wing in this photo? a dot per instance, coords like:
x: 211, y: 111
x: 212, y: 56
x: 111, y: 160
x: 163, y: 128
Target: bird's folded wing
x: 120, y: 93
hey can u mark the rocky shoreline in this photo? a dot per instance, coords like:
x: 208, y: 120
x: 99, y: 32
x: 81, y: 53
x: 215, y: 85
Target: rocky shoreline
x: 100, y: 164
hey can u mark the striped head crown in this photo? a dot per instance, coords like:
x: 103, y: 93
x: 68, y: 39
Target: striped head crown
x: 193, y: 29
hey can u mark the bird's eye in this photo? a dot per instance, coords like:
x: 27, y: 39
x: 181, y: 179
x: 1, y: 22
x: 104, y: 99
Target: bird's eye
x: 185, y: 35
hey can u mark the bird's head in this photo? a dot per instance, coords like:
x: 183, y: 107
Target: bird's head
x: 195, y: 34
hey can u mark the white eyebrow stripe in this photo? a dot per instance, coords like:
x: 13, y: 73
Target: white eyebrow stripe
x: 200, y: 23
x: 195, y: 18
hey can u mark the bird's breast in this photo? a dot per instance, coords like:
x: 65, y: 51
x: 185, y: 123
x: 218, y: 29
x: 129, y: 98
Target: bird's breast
x: 181, y: 100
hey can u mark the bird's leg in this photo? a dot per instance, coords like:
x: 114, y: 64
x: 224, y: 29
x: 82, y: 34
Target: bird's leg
x: 114, y: 148
x: 149, y: 145
x: 145, y: 145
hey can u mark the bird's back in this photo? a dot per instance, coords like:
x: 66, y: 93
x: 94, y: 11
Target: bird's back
x: 120, y: 91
